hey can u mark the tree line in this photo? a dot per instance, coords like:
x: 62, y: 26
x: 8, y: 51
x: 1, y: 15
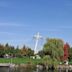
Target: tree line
x: 15, y: 52
x: 53, y: 48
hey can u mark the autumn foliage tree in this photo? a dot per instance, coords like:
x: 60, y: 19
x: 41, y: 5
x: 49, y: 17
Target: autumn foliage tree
x: 1, y: 50
x: 66, y: 51
x: 26, y: 51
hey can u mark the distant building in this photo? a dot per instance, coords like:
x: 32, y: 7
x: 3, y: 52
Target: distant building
x: 6, y: 56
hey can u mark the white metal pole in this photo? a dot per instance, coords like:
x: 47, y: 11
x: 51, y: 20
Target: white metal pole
x: 36, y: 46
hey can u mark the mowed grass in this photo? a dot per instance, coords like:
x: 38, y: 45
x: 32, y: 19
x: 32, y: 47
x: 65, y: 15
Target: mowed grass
x: 24, y: 60
x: 20, y: 60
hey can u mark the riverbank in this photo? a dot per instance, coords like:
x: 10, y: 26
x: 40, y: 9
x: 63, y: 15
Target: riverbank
x: 39, y: 67
x: 25, y: 62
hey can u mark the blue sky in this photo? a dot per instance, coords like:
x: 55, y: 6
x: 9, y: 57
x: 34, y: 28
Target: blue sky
x: 21, y: 19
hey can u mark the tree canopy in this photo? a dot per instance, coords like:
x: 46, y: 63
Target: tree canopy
x: 15, y: 52
x: 54, y: 48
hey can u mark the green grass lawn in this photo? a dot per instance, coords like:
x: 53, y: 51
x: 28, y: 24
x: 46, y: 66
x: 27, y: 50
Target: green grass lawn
x: 24, y: 60
x: 20, y: 60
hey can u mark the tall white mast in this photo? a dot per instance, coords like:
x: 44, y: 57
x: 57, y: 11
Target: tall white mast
x: 37, y: 37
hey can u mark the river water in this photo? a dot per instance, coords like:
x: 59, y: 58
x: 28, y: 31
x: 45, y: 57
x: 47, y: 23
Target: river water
x: 7, y: 69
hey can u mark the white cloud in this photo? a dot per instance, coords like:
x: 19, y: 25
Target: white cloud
x: 1, y: 32
x: 10, y: 24
x: 14, y: 25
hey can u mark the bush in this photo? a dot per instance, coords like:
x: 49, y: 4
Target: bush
x: 50, y: 61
